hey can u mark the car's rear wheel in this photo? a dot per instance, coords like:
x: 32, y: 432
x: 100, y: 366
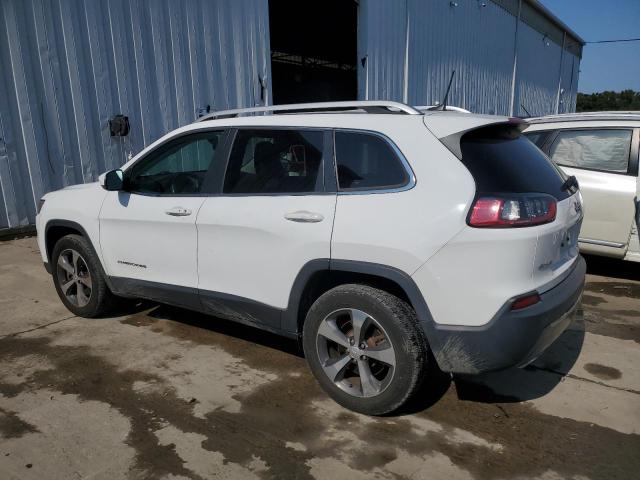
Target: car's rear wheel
x: 78, y: 277
x: 365, y: 348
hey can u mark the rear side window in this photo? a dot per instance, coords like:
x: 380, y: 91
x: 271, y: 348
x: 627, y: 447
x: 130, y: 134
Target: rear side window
x: 606, y: 150
x: 367, y: 162
x: 275, y: 161
x: 501, y: 160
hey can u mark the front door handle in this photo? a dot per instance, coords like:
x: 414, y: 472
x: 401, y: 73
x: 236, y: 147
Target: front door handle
x: 303, y: 216
x: 178, y: 212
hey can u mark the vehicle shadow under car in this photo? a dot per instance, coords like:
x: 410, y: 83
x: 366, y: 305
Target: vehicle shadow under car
x: 506, y: 386
x: 612, y: 268
x: 511, y: 385
x: 532, y: 381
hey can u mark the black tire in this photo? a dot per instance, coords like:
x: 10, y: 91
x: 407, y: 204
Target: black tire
x: 100, y: 299
x: 399, y: 326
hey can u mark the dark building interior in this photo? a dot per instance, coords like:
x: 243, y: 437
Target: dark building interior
x: 313, y: 50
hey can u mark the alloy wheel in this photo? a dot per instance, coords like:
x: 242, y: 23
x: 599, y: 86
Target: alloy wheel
x: 74, y: 277
x: 355, y: 352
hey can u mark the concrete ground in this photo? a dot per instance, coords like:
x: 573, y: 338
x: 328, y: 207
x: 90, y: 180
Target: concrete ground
x: 165, y: 393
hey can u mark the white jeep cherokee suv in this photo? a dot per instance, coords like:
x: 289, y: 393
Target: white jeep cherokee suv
x: 385, y: 237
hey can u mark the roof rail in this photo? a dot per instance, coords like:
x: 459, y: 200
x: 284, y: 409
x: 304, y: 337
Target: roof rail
x: 450, y: 108
x: 602, y: 116
x: 369, y: 106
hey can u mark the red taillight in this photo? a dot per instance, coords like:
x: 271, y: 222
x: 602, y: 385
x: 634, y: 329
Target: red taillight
x: 526, y: 301
x: 513, y: 211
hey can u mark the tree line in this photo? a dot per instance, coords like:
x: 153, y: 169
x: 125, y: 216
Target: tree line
x: 594, y: 102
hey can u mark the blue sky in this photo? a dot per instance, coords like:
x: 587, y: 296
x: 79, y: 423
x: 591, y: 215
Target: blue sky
x: 609, y: 66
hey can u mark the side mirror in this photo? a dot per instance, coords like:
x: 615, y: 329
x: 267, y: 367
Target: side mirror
x: 113, y: 180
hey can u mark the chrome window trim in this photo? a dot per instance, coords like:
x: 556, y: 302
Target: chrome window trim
x: 411, y: 177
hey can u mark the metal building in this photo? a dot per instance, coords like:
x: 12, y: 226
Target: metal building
x: 69, y: 67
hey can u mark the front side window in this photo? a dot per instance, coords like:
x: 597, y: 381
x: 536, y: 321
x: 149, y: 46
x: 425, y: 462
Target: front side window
x: 367, y: 162
x: 593, y: 149
x: 275, y: 161
x: 178, y: 167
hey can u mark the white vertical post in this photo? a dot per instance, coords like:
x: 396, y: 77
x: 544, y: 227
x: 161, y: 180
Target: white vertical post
x: 405, y: 86
x: 515, y: 62
x: 564, y: 38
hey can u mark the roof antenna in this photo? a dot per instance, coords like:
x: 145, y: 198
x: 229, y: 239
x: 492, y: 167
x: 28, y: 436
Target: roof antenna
x: 525, y: 110
x: 443, y: 106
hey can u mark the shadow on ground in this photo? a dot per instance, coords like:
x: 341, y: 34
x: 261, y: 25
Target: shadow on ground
x: 507, y: 386
x: 531, y: 382
x: 611, y: 267
x: 226, y: 327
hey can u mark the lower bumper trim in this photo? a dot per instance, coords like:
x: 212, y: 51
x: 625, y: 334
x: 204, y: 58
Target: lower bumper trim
x: 511, y: 338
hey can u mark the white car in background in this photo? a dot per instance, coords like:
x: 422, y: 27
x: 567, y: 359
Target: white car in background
x: 601, y: 150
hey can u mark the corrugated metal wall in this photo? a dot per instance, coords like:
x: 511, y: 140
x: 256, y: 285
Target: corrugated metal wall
x: 538, y: 73
x: 475, y: 41
x: 67, y: 66
x: 569, y: 84
x: 382, y: 42
x: 418, y: 44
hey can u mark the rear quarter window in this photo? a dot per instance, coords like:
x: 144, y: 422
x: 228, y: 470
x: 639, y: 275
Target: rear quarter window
x: 365, y: 161
x: 502, y: 160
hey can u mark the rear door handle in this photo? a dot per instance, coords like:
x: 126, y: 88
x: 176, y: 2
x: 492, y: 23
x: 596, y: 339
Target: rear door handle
x: 178, y: 212
x: 303, y: 216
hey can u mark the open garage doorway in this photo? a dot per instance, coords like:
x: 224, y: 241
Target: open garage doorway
x: 313, y: 50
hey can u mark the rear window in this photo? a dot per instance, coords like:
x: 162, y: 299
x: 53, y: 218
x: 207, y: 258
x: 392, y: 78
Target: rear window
x: 501, y: 160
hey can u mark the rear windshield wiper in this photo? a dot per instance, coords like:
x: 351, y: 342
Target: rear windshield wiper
x: 570, y: 184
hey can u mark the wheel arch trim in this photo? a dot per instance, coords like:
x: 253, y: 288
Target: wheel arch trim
x: 79, y: 228
x: 402, y: 279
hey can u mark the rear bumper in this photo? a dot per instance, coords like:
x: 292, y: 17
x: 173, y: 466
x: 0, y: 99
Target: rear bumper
x: 511, y: 338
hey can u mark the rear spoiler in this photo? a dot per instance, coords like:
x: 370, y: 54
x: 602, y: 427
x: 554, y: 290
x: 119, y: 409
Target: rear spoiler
x: 451, y: 139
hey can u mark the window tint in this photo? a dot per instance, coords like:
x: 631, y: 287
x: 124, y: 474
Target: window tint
x: 366, y: 162
x: 275, y: 161
x: 501, y: 160
x: 178, y: 167
x: 592, y: 149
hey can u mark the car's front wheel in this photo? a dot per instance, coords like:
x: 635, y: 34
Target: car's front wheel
x: 365, y: 348
x: 78, y: 277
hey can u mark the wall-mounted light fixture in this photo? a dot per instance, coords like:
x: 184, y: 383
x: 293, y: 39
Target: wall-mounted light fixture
x: 119, y: 126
